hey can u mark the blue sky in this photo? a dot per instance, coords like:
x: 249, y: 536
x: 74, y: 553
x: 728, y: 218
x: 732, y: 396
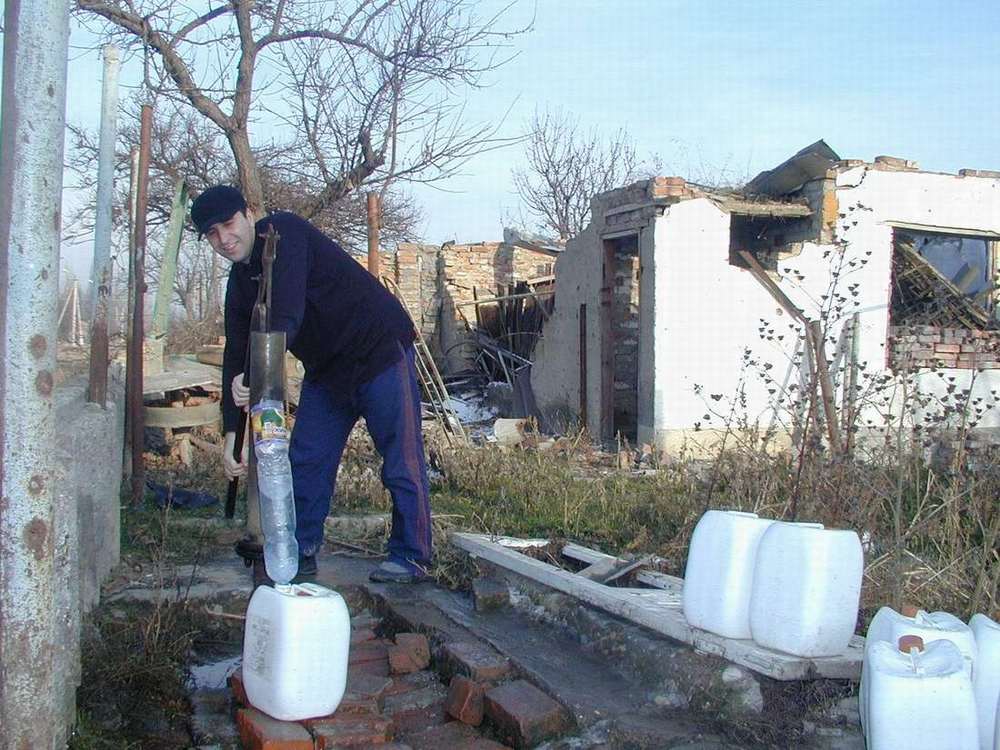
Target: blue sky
x: 716, y: 87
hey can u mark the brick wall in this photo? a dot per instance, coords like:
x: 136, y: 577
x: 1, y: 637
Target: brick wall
x: 434, y: 280
x: 917, y: 347
x: 625, y: 332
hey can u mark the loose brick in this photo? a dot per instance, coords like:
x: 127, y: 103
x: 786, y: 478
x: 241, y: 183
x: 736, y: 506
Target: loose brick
x: 451, y: 736
x: 411, y: 653
x: 524, y: 715
x: 489, y: 594
x: 369, y: 651
x: 419, y: 698
x: 474, y: 660
x: 416, y: 643
x: 403, y: 661
x: 418, y: 709
x: 260, y: 732
x: 362, y: 635
x: 377, y: 668
x: 366, y: 686
x: 408, y: 683
x: 236, y: 686
x: 465, y: 700
x: 350, y: 731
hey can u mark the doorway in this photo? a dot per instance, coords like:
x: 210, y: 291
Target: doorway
x: 620, y: 326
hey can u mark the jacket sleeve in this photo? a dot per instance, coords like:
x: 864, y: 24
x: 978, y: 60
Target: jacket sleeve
x: 234, y: 355
x: 288, y: 279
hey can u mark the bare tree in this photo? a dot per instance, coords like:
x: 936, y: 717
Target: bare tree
x: 186, y: 145
x: 341, y: 93
x: 567, y: 167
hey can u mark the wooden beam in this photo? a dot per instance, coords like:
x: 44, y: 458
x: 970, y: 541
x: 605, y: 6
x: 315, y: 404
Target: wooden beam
x: 775, y: 209
x: 662, y: 612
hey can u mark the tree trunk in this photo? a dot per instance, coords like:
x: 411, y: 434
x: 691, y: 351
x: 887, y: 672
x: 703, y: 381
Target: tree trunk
x: 246, y: 168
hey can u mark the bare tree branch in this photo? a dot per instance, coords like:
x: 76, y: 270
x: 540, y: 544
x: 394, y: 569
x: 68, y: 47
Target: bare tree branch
x: 566, y: 168
x: 366, y: 87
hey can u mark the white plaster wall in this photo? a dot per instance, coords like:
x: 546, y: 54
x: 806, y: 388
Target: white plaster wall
x: 875, y: 200
x: 555, y: 376
x: 709, y: 312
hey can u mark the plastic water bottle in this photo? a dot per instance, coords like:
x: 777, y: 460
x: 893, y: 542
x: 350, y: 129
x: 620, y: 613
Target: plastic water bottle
x: 274, y: 487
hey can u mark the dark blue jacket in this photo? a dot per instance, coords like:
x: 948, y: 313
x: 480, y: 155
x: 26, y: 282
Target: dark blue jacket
x: 340, y: 322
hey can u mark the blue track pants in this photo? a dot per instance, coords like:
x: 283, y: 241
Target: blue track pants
x: 390, y: 404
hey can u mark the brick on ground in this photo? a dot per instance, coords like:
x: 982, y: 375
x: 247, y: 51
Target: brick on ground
x: 451, y: 736
x: 465, y: 700
x: 411, y: 653
x: 364, y: 694
x: 523, y: 714
x: 418, y: 709
x: 362, y: 635
x: 476, y: 661
x: 409, y: 682
x: 350, y: 731
x: 260, y: 732
x: 369, y: 651
x: 489, y: 594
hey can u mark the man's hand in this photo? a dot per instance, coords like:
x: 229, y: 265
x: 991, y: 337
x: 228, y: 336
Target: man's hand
x: 241, y: 393
x: 233, y: 468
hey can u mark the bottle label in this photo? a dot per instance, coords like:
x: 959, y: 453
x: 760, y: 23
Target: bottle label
x: 268, y: 422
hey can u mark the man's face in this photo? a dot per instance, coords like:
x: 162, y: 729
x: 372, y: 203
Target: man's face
x: 233, y: 239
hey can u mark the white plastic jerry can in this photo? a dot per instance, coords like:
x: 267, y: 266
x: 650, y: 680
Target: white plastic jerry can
x: 295, y: 650
x: 889, y: 625
x: 719, y: 573
x: 881, y: 628
x: 986, y: 679
x: 806, y: 589
x: 920, y: 697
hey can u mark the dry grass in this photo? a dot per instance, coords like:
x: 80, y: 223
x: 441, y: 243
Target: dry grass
x: 942, y: 555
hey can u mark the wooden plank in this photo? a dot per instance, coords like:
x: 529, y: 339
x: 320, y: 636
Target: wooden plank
x: 661, y: 611
x: 182, y: 373
x: 649, y: 577
x: 763, y: 208
x: 187, y: 416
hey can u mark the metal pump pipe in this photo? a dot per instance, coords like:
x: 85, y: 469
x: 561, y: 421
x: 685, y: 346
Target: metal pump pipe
x: 267, y: 381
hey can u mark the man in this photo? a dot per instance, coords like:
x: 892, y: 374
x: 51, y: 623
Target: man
x: 356, y: 343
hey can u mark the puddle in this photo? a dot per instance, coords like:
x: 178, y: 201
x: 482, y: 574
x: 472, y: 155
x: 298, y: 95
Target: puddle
x: 213, y: 676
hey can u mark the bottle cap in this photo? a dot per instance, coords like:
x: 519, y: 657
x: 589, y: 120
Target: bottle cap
x: 909, y: 642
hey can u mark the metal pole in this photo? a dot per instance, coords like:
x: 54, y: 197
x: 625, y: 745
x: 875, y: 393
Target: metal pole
x: 133, y: 188
x: 134, y: 365
x: 36, y: 35
x: 374, y: 209
x: 100, y: 272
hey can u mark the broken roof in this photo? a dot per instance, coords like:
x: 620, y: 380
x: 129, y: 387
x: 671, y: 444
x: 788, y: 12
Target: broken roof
x: 809, y: 164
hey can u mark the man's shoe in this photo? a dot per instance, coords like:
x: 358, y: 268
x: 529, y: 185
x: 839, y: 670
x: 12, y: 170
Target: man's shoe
x: 394, y: 572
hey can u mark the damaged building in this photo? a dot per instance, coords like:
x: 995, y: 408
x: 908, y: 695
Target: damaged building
x: 682, y: 313
x: 441, y: 286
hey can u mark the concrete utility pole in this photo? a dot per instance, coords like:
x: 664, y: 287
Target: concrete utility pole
x: 105, y: 175
x: 100, y: 272
x: 31, y: 164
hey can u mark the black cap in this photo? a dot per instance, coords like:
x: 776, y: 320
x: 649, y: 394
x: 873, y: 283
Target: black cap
x: 214, y: 205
